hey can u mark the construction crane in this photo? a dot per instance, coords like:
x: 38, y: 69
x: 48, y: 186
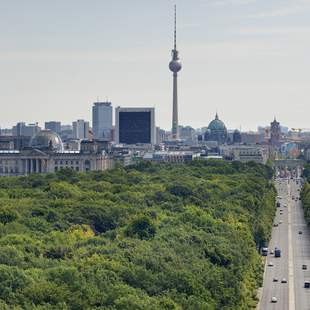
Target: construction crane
x: 300, y: 129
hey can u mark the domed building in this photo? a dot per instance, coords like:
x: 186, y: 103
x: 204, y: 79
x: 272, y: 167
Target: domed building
x: 216, y: 131
x: 237, y: 136
x: 47, y: 140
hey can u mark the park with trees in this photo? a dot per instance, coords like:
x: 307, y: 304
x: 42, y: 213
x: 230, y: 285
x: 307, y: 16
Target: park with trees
x: 151, y: 236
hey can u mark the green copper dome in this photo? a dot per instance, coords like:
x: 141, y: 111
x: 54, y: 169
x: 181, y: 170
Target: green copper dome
x: 216, y: 124
x: 216, y: 131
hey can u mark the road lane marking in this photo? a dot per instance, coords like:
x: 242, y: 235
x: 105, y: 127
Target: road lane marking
x: 290, y: 259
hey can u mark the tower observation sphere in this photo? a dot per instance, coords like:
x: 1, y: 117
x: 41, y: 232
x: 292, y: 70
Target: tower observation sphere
x: 175, y: 66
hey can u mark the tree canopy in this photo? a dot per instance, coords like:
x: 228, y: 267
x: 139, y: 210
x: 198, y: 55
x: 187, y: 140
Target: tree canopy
x: 153, y: 236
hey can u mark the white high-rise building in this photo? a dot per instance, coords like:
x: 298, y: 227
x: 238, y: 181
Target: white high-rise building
x: 102, y: 120
x: 80, y: 129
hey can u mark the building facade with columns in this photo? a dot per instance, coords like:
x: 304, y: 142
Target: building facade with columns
x: 46, y: 155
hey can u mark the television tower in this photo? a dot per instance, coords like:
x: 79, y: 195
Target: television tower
x: 175, y: 66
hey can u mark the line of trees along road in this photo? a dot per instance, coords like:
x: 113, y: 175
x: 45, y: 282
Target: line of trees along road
x: 154, y: 236
x: 305, y: 194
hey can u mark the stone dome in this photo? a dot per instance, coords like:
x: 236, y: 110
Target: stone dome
x: 47, y: 140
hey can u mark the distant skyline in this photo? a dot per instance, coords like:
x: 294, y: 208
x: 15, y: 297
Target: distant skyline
x: 247, y: 59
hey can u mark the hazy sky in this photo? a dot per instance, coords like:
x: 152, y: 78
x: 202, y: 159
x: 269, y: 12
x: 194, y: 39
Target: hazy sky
x: 247, y: 59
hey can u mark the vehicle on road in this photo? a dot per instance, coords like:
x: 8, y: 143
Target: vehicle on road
x: 275, y: 280
x: 283, y: 280
x: 275, y: 225
x: 280, y: 222
x: 271, y: 252
x: 300, y: 232
x: 278, y: 204
x: 264, y: 251
x: 277, y: 252
x: 304, y: 267
x: 307, y: 284
x: 270, y: 264
x: 274, y: 299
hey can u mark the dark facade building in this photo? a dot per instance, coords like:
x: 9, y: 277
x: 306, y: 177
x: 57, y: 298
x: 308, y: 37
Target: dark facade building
x: 135, y: 126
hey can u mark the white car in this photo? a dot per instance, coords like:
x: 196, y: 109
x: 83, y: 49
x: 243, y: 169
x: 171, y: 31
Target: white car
x: 274, y: 299
x: 283, y: 280
x: 270, y: 264
x: 271, y: 252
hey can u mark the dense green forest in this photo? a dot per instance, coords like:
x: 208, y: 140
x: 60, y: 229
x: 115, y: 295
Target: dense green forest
x: 305, y: 194
x: 154, y: 236
x: 306, y: 172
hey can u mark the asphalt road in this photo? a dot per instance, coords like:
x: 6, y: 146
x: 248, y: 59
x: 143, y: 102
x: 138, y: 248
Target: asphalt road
x: 295, y: 251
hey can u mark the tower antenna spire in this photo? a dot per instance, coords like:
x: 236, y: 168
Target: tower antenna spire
x: 175, y: 26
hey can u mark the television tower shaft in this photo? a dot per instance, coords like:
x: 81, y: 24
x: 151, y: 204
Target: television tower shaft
x: 175, y: 66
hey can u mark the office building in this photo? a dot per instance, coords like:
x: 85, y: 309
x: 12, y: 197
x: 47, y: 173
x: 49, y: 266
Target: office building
x: 135, y: 125
x: 53, y: 126
x: 102, y: 121
x: 245, y: 153
x: 21, y: 129
x: 66, y: 132
x: 80, y: 129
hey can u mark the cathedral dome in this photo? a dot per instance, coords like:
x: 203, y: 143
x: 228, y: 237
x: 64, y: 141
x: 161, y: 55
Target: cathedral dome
x: 216, y: 131
x: 216, y: 124
x: 47, y: 140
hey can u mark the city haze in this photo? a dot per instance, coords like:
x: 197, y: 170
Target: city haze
x: 246, y: 59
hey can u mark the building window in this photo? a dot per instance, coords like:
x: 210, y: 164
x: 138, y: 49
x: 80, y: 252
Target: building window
x: 77, y: 162
x: 56, y: 169
x: 77, y: 168
x: 87, y: 165
x: 71, y: 162
x: 56, y: 162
